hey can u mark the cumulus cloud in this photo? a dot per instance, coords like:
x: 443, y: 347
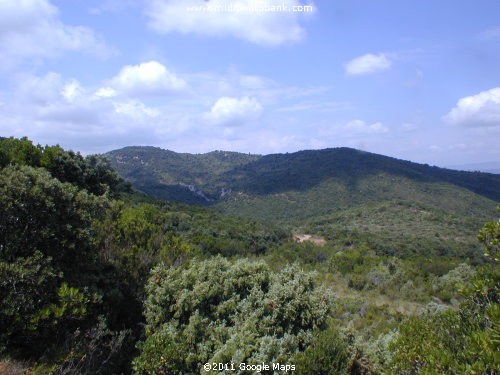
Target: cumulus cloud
x: 31, y: 28
x: 361, y: 127
x: 215, y: 111
x: 269, y: 28
x: 367, y: 64
x: 480, y: 110
x: 233, y: 111
x: 105, y: 92
x: 135, y: 109
x: 18, y: 16
x: 52, y: 109
x: 149, y: 78
x: 38, y: 90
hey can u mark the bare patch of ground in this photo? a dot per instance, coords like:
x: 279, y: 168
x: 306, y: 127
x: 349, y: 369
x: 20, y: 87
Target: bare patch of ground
x: 307, y: 237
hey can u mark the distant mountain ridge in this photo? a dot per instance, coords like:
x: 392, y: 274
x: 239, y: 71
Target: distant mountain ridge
x: 488, y: 167
x: 182, y: 177
x: 307, y: 183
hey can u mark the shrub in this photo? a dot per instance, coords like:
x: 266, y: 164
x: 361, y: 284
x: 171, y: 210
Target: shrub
x: 97, y: 350
x: 465, y: 341
x: 328, y: 354
x: 218, y: 311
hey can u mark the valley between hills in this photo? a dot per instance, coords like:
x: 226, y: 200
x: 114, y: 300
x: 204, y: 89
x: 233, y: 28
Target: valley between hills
x: 335, y: 261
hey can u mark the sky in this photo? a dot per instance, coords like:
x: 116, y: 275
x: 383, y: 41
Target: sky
x: 414, y: 79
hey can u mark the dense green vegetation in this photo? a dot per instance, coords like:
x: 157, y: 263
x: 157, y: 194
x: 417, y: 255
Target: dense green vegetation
x: 465, y: 340
x: 167, y: 174
x: 98, y: 279
x: 394, y: 206
x: 53, y: 284
x: 302, y: 184
x: 217, y: 311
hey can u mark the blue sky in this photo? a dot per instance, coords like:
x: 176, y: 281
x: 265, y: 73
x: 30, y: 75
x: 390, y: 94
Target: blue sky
x: 417, y: 80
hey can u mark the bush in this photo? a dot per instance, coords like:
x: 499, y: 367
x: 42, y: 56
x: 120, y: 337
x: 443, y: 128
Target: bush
x: 27, y: 286
x: 465, y: 341
x: 38, y: 212
x: 95, y: 351
x: 327, y: 355
x: 218, y: 311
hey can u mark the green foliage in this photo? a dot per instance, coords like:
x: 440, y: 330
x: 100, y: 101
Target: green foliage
x: 20, y: 151
x: 490, y: 238
x: 38, y: 212
x: 403, y: 229
x: 219, y: 311
x: 301, y: 185
x: 71, y: 305
x: 27, y: 286
x: 448, y: 285
x: 73, y: 263
x: 137, y: 238
x: 352, y: 260
x: 46, y: 242
x: 328, y: 354
x: 454, y: 342
x: 215, y: 234
x: 377, y: 352
x: 98, y: 350
x: 53, y: 280
x: 93, y: 173
x: 169, y: 174
x: 394, y: 207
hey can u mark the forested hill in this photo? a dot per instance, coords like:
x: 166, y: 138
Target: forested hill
x: 301, y: 184
x: 96, y: 278
x: 182, y: 177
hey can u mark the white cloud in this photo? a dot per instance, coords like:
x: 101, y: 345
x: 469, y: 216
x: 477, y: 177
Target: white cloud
x: 38, y: 90
x: 367, y: 64
x: 227, y: 109
x: 21, y: 15
x: 32, y: 29
x: 216, y: 111
x: 233, y: 111
x: 150, y: 78
x: 135, y: 109
x: 269, y: 28
x: 480, y: 110
x: 105, y: 92
x: 361, y: 127
x: 72, y: 90
x: 51, y: 109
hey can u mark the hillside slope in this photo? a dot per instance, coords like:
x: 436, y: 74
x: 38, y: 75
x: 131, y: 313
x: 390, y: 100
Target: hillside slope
x: 181, y: 177
x: 302, y: 184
